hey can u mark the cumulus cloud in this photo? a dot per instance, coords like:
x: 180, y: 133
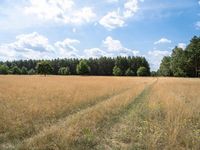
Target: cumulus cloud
x: 60, y: 11
x: 182, y: 45
x: 67, y: 48
x: 197, y: 25
x: 112, y: 45
x: 112, y: 1
x: 95, y: 52
x: 27, y: 46
x: 162, y: 41
x: 131, y: 7
x: 111, y: 48
x: 155, y: 56
x: 117, y: 18
x: 36, y: 46
x: 116, y: 47
x: 112, y: 20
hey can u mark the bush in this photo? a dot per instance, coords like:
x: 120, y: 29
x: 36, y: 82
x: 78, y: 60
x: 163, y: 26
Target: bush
x: 142, y: 71
x: 4, y: 69
x: 83, y: 68
x: 129, y: 72
x: 154, y: 74
x: 16, y: 70
x: 117, y: 71
x: 64, y: 71
x: 44, y: 67
x: 24, y: 70
x: 179, y: 73
x: 31, y: 72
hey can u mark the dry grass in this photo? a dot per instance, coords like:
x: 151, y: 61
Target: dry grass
x: 55, y: 112
x: 169, y: 118
x: 174, y: 114
x: 30, y: 104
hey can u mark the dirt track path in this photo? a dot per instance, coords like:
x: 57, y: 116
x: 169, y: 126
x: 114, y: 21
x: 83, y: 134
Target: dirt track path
x: 116, y: 134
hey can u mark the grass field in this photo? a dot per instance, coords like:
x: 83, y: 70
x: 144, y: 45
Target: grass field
x: 57, y: 112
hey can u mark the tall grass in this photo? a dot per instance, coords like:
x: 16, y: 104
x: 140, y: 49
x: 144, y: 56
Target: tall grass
x: 168, y: 118
x: 56, y: 112
x: 174, y: 114
x: 31, y: 106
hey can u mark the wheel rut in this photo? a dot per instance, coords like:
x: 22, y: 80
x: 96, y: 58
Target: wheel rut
x: 117, y: 124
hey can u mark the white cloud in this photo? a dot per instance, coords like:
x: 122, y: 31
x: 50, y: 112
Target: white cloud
x: 197, y: 25
x: 112, y: 48
x: 115, y: 47
x: 154, y: 57
x: 95, y: 52
x: 115, y: 19
x: 112, y: 20
x: 36, y: 46
x: 66, y: 48
x: 112, y: 45
x: 182, y: 45
x: 157, y: 53
x: 112, y: 1
x: 60, y: 11
x: 131, y: 7
x: 162, y: 41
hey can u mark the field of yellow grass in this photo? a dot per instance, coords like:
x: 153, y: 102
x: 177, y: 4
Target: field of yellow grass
x: 57, y: 112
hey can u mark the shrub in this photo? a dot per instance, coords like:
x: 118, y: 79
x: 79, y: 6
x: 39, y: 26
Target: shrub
x: 16, y: 70
x: 4, y: 69
x: 179, y: 73
x: 31, y: 72
x: 129, y: 72
x: 24, y: 70
x: 44, y: 67
x: 154, y: 74
x: 142, y: 71
x: 64, y: 71
x: 83, y: 68
x: 117, y: 71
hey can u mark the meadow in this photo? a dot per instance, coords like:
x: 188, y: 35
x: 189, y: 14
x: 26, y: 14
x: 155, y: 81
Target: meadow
x: 75, y: 112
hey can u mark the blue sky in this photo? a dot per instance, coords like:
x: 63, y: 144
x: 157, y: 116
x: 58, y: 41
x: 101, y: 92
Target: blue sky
x: 35, y: 29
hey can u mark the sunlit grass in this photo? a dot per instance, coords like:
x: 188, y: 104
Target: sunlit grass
x: 56, y: 112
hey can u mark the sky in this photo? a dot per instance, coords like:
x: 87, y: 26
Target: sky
x: 48, y: 29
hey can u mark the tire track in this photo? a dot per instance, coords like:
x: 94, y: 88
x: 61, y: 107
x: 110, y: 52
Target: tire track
x: 77, y: 113
x: 59, y: 118
x: 108, y: 130
x: 67, y: 121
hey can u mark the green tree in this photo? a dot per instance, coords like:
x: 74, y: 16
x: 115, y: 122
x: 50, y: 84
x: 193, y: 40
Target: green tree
x: 31, y: 72
x: 44, y: 68
x: 83, y: 68
x: 179, y: 62
x: 179, y: 73
x: 122, y: 63
x: 4, y: 69
x: 15, y: 70
x: 142, y: 71
x: 24, y: 70
x: 117, y: 71
x: 165, y: 66
x: 154, y: 73
x: 129, y: 72
x: 64, y: 71
x: 193, y: 56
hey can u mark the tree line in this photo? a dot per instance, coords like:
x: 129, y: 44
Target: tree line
x: 182, y: 62
x: 104, y: 66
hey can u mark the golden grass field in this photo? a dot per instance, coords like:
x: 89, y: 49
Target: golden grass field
x: 72, y: 112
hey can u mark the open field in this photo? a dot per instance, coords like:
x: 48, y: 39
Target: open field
x: 58, y: 112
